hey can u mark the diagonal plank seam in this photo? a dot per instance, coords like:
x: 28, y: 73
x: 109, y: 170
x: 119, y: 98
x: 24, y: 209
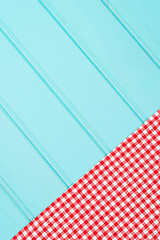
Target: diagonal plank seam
x: 55, y: 90
x: 16, y: 200
x: 34, y: 142
x: 113, y: 83
x: 132, y: 33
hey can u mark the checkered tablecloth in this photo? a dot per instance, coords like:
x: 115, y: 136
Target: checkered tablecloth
x: 117, y: 199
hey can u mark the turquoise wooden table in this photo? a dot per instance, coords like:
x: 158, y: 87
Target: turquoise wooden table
x: 76, y: 78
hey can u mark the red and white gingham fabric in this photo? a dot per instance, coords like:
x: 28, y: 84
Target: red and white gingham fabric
x: 118, y: 199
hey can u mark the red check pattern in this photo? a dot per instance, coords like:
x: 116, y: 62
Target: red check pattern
x: 118, y: 199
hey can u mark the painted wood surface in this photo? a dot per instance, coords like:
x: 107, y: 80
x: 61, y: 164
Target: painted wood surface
x: 74, y: 83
